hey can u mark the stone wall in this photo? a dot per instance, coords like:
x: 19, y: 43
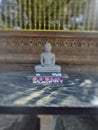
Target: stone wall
x: 20, y: 50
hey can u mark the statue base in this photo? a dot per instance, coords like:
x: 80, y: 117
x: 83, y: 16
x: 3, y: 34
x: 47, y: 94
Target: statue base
x: 54, y: 68
x: 47, y: 78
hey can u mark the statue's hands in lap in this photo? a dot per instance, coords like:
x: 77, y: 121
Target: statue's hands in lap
x: 47, y: 59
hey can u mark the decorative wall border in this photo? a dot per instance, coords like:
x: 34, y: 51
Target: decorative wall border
x: 57, y: 42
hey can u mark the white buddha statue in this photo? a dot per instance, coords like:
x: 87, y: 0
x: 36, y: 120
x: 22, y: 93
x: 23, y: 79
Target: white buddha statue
x: 47, y: 61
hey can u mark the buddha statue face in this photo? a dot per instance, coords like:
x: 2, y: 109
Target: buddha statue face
x: 48, y: 47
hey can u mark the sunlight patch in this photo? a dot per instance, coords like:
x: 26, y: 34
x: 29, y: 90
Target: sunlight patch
x: 28, y: 98
x: 95, y: 101
x: 86, y: 83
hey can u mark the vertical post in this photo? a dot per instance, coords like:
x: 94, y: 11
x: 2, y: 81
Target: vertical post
x: 95, y: 13
x: 30, y: 18
x: 20, y: 13
x: 59, y: 23
x: 79, y: 14
x: 69, y: 11
x: 85, y: 15
x: 89, y: 17
x: 44, y: 6
x: 49, y: 16
x: 25, y: 14
x: 64, y: 17
x: 10, y: 8
x: 75, y: 6
x: 15, y: 8
x: 0, y: 20
x: 35, y: 14
x: 5, y: 12
x: 54, y: 15
x: 40, y: 6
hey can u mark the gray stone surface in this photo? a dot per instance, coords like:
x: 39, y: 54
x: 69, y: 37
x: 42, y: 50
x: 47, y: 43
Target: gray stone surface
x: 78, y: 90
x: 47, y: 61
x: 69, y: 122
x: 18, y: 122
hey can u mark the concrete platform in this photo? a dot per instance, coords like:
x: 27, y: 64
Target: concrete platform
x: 78, y: 90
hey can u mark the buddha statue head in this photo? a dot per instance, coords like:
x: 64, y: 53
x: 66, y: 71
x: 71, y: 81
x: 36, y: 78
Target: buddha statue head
x: 48, y: 47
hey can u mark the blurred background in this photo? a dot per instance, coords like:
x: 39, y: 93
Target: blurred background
x: 60, y: 15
